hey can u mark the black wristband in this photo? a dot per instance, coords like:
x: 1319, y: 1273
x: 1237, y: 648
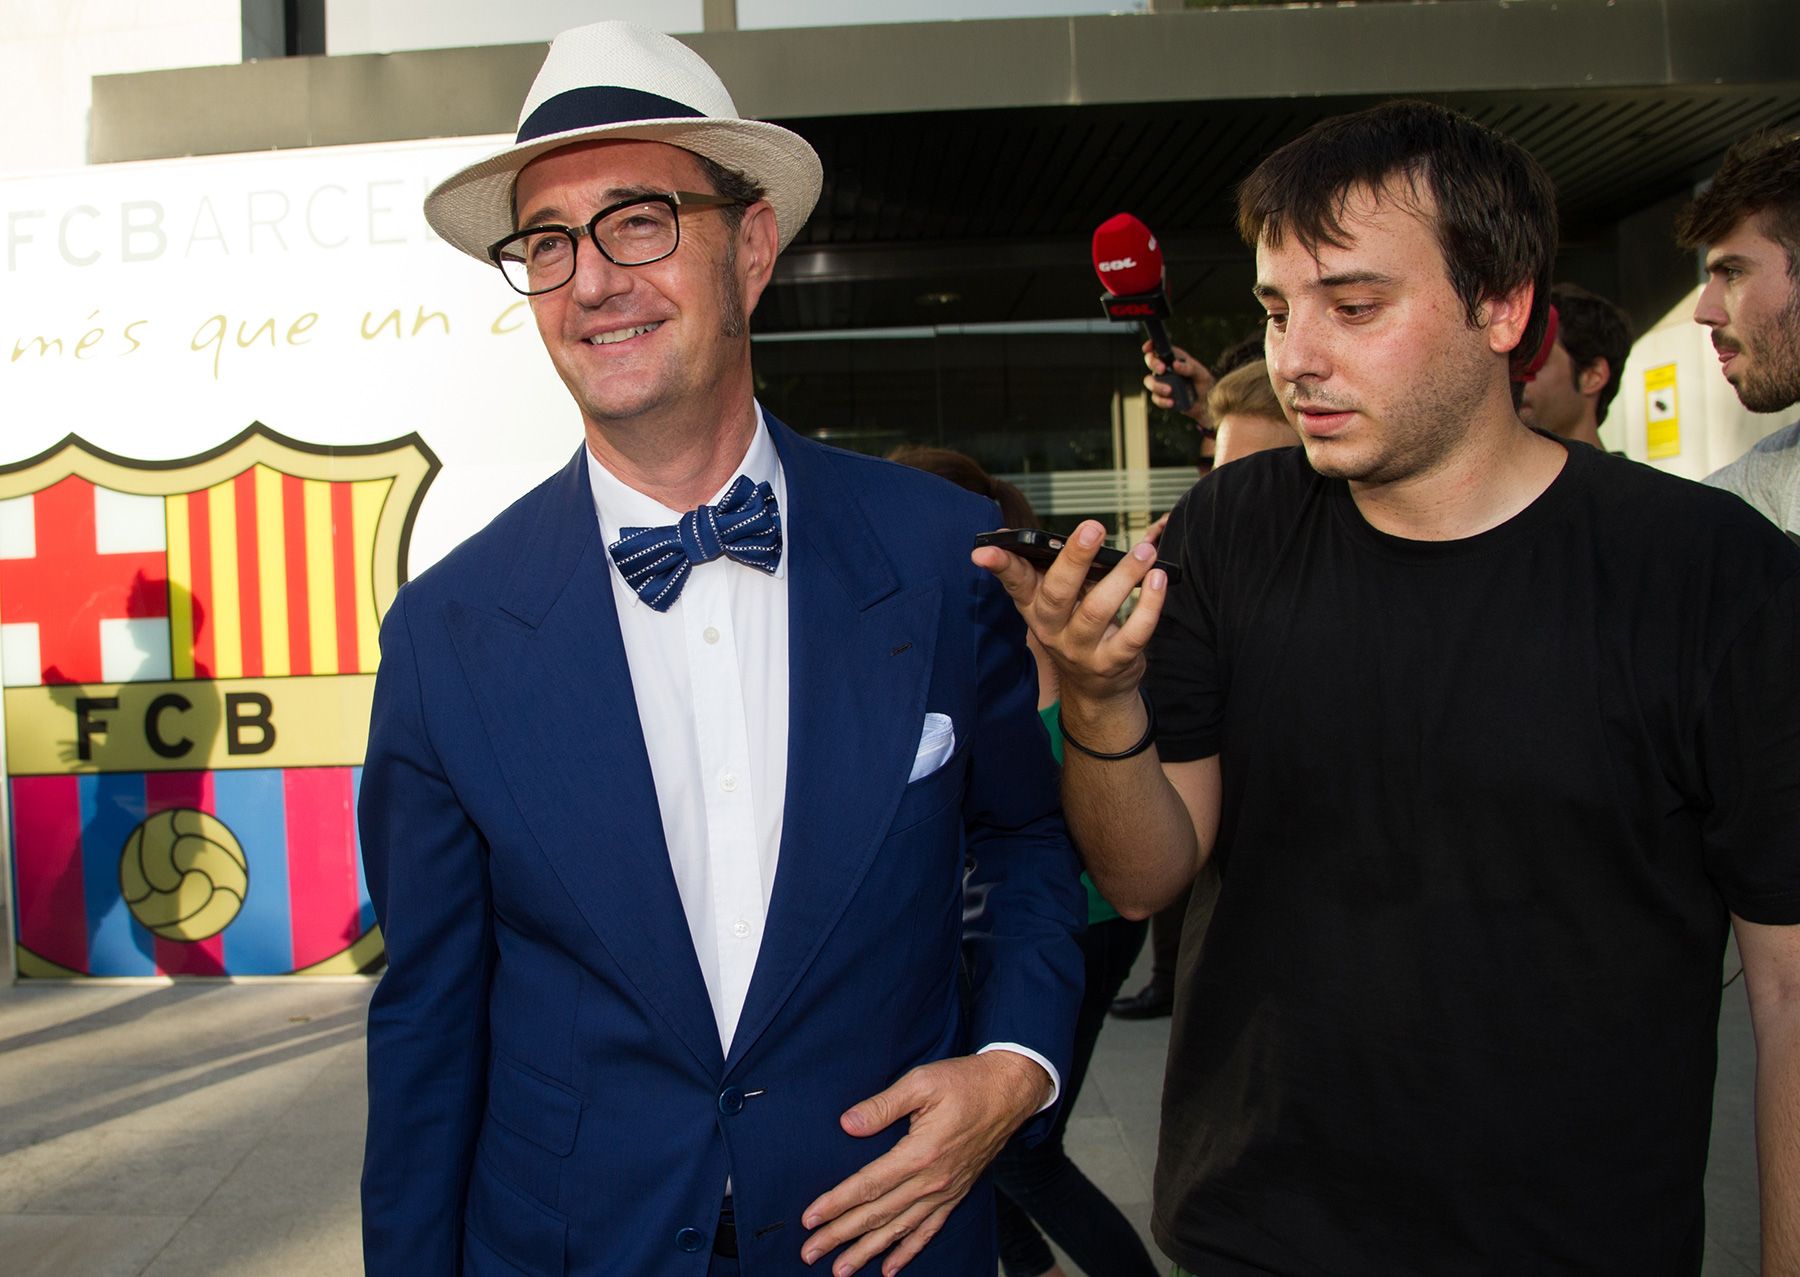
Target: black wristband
x: 1148, y: 739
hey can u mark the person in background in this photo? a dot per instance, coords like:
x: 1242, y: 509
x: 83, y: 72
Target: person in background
x: 1569, y: 393
x: 1041, y: 1187
x: 1748, y: 221
x: 1247, y: 415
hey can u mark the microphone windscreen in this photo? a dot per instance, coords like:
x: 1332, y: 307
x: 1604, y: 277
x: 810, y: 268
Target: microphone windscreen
x: 1126, y: 257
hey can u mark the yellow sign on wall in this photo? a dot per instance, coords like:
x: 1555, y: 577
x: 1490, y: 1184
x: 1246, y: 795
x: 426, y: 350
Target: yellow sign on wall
x: 1662, y: 412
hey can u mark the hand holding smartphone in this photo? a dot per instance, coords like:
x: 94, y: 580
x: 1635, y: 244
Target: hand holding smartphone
x: 1040, y: 548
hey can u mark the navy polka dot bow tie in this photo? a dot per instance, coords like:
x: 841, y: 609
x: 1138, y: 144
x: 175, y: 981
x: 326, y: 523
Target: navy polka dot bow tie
x: 745, y: 525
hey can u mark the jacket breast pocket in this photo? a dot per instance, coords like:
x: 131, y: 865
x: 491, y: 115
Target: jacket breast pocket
x: 929, y: 795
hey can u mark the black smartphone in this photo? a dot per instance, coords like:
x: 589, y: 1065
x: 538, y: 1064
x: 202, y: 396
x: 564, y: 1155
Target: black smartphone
x: 1039, y: 547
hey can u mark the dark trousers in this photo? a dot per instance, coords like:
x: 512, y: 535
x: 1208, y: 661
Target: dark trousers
x: 1040, y: 1187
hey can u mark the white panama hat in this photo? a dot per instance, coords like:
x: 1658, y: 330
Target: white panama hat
x: 621, y: 81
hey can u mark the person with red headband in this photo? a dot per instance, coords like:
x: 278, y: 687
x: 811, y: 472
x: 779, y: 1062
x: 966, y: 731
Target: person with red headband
x: 1571, y: 383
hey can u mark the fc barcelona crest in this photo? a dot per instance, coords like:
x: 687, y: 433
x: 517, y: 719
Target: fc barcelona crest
x: 188, y: 650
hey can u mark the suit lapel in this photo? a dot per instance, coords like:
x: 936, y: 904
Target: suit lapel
x: 556, y: 697
x: 859, y: 661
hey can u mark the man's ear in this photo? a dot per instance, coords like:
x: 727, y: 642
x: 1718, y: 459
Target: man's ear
x: 1592, y: 379
x: 759, y: 240
x: 1506, y: 316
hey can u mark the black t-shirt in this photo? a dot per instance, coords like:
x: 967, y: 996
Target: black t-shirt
x: 1486, y: 805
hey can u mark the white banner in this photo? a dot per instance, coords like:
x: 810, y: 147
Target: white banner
x: 157, y: 309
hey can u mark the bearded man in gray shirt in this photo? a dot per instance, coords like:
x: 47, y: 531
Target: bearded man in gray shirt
x: 1748, y: 220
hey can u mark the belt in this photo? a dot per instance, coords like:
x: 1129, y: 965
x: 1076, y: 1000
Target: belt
x: 725, y: 1236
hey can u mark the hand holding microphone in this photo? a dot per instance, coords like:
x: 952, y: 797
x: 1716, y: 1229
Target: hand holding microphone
x: 1185, y: 370
x: 1130, y: 267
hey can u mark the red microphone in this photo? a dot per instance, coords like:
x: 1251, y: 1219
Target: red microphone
x: 1130, y: 267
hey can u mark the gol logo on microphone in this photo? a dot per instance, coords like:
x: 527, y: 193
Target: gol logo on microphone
x: 188, y: 650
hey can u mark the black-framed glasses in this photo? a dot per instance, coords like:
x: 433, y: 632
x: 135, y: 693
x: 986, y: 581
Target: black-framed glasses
x: 633, y: 232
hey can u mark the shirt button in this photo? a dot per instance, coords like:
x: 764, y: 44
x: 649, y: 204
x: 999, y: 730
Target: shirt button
x: 710, y: 634
x: 729, y: 782
x: 740, y: 928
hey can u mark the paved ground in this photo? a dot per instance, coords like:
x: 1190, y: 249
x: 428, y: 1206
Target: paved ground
x: 217, y: 1129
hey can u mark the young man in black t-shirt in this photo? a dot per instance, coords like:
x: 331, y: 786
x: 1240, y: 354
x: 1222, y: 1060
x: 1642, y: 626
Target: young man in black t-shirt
x: 1490, y: 738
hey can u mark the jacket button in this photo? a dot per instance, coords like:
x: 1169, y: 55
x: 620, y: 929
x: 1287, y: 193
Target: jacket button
x: 731, y: 1101
x: 690, y: 1239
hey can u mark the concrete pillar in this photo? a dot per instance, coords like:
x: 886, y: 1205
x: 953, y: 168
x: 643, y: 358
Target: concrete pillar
x: 1131, y: 455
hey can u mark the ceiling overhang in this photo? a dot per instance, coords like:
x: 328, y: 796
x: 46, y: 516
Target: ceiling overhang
x: 972, y: 159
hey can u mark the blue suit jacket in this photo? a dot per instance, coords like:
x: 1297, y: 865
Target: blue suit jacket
x: 547, y: 1093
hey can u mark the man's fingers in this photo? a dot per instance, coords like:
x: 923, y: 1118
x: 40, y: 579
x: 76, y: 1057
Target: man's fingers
x: 1134, y: 635
x: 1183, y: 366
x: 909, y: 1246
x: 962, y: 1110
x: 1075, y: 621
x: 1018, y: 577
x: 1107, y: 595
x: 855, y: 1206
x: 852, y: 1228
x: 869, y: 1199
x: 884, y: 1108
x: 869, y: 1184
x: 899, y: 1231
x: 1062, y: 583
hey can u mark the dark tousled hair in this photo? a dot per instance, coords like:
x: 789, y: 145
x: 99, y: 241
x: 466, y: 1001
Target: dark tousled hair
x: 1493, y: 206
x: 966, y: 472
x: 732, y: 184
x: 1761, y: 174
x: 1589, y: 328
x: 1247, y: 349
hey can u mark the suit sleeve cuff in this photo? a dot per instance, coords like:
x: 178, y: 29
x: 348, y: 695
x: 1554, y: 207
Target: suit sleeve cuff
x: 1035, y: 1058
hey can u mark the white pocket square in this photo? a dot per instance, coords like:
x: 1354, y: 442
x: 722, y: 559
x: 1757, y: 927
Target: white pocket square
x: 936, y: 743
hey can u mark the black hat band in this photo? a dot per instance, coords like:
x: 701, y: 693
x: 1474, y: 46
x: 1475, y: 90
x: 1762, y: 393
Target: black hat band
x: 595, y: 106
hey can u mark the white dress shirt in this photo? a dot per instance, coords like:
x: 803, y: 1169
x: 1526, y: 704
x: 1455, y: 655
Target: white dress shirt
x: 710, y: 676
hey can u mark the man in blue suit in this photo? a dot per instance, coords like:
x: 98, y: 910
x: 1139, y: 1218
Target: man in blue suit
x: 707, y: 812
